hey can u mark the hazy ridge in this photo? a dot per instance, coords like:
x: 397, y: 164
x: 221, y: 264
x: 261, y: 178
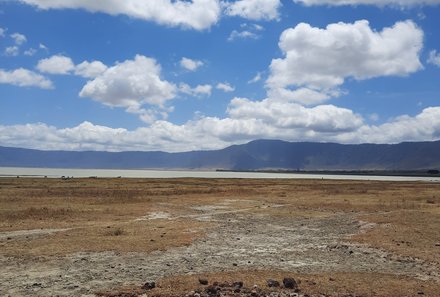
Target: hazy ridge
x: 255, y: 155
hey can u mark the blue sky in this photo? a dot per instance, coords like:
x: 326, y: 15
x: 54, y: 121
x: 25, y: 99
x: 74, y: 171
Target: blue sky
x: 204, y: 74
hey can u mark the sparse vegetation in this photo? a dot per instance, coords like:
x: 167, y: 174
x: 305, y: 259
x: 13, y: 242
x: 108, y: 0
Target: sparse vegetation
x: 101, y: 215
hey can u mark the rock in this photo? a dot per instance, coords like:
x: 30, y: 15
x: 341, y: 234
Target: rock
x: 290, y: 283
x: 238, y: 284
x: 212, y: 290
x: 273, y: 283
x: 203, y: 281
x: 149, y: 286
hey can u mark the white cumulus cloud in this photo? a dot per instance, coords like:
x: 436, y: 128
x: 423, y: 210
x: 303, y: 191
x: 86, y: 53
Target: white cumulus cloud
x: 195, y: 14
x: 60, y: 64
x: 19, y: 39
x: 131, y: 84
x: 254, y: 9
x: 90, y: 69
x: 2, y: 32
x: 256, y: 78
x: 286, y: 115
x: 24, y: 78
x: 434, y: 58
x: 199, y: 90
x: 423, y: 127
x: 242, y: 35
x: 369, y: 2
x: 12, y: 51
x: 189, y: 64
x: 321, y: 59
x: 43, y: 47
x: 30, y: 52
x: 57, y: 64
x: 225, y: 87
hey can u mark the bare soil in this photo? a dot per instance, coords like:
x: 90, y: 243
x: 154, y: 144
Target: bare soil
x: 107, y: 237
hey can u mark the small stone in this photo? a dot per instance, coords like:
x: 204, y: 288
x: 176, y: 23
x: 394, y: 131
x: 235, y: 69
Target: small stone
x: 212, y: 290
x: 234, y: 264
x: 289, y: 283
x: 238, y: 284
x: 273, y: 283
x: 203, y: 281
x: 149, y: 286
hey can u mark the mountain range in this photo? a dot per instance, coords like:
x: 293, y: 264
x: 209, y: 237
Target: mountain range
x: 255, y: 155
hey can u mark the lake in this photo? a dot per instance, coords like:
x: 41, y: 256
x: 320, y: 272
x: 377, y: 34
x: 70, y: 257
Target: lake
x: 109, y: 173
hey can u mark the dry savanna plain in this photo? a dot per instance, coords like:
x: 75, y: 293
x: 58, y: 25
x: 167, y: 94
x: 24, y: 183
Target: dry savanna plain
x: 218, y: 237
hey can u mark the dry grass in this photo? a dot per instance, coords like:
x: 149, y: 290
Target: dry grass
x: 94, y: 208
x: 101, y: 216
x: 411, y: 233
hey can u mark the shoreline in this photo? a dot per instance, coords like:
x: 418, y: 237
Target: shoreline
x: 65, y: 173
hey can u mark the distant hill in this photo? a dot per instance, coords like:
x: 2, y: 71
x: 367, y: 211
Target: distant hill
x: 255, y: 155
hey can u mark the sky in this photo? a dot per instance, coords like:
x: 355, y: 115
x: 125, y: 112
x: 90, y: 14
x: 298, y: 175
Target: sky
x: 147, y: 75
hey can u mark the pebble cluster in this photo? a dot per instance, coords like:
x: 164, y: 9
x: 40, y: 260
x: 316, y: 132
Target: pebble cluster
x: 288, y: 287
x: 237, y: 289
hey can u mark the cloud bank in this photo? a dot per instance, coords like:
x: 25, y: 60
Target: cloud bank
x: 195, y: 14
x: 214, y: 133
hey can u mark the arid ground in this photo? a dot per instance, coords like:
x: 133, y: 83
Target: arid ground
x: 108, y: 237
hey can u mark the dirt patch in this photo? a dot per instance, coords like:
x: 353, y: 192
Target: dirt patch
x: 28, y: 233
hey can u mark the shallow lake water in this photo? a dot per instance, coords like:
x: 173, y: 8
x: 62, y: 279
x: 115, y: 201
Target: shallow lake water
x: 124, y: 173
